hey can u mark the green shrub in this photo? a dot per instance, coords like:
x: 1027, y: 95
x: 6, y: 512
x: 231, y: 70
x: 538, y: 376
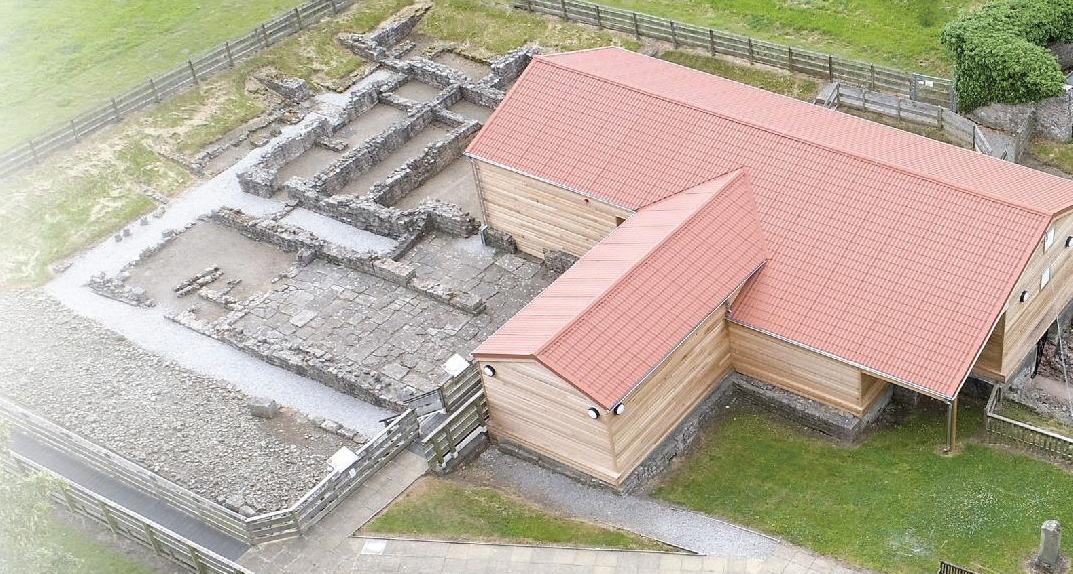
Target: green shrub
x: 1000, y: 52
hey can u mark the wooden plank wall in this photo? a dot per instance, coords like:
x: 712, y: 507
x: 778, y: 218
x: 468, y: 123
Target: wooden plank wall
x: 542, y: 216
x: 989, y: 365
x: 797, y: 369
x: 671, y: 393
x: 1026, y: 322
x: 532, y: 407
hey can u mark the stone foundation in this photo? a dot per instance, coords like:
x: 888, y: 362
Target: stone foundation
x: 806, y: 412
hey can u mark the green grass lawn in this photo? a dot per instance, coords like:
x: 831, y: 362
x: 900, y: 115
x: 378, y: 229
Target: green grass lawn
x: 443, y: 509
x: 62, y: 56
x: 799, y: 87
x: 899, y: 33
x: 891, y: 504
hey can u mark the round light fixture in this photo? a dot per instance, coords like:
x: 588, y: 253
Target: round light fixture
x: 489, y: 370
x: 593, y: 413
x: 1024, y: 295
x: 619, y: 409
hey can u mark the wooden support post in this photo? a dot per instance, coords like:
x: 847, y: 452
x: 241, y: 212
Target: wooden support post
x: 974, y: 129
x: 193, y: 72
x: 873, y: 83
x: 562, y: 6
x: 199, y: 564
x: 830, y: 68
x: 790, y: 57
x: 33, y: 150
x: 108, y: 517
x: 67, y: 498
x: 636, y: 28
x: 151, y: 537
x: 529, y: 5
x: 115, y: 110
x: 711, y: 41
x: 940, y: 118
x: 951, y: 425
x: 898, y: 105
x: 599, y: 23
x: 156, y: 94
x: 335, y: 9
x: 264, y: 35
x: 230, y: 58
x: 752, y: 56
x: 674, y: 35
x: 298, y: 18
x: 74, y: 130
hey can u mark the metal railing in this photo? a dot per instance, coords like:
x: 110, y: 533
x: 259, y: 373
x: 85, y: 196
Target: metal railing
x: 948, y: 568
x: 157, y: 88
x: 918, y: 87
x: 286, y: 523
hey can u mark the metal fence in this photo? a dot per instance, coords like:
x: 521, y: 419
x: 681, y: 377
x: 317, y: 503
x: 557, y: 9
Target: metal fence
x: 1016, y: 433
x: 948, y: 568
x: 289, y: 522
x: 191, y: 556
x: 918, y: 87
x: 156, y: 88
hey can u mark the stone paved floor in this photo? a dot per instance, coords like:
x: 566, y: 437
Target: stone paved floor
x: 394, y: 329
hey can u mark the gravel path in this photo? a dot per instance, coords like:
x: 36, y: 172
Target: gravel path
x: 188, y: 428
x: 689, y: 530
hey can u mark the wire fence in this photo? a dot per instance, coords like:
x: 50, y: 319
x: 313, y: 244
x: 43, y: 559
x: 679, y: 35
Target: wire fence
x: 918, y: 87
x: 157, y: 88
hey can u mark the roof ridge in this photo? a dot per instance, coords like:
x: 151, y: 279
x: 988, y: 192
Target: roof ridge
x: 984, y: 195
x: 736, y: 174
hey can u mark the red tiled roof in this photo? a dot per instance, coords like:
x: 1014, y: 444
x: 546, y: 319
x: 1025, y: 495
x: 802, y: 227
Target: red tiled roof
x: 620, y: 309
x: 888, y: 250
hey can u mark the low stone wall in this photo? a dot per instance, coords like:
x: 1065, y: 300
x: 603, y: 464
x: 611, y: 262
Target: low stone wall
x: 260, y: 178
x: 511, y: 65
x: 1051, y: 118
x: 294, y: 239
x: 434, y: 159
x: 498, y: 240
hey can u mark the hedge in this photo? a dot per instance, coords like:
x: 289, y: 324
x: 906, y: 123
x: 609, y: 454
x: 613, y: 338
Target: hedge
x: 1000, y: 51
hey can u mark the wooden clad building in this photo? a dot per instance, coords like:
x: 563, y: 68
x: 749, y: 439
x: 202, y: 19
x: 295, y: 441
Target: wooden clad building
x: 720, y: 227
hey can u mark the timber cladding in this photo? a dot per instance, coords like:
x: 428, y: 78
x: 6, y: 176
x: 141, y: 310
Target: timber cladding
x: 541, y: 216
x: 801, y: 371
x: 534, y: 408
x: 1025, y: 322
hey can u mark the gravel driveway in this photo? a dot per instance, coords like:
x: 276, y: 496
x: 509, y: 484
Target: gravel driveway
x: 188, y: 428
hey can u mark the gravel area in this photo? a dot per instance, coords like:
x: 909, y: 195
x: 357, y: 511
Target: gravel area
x: 660, y: 521
x: 191, y: 429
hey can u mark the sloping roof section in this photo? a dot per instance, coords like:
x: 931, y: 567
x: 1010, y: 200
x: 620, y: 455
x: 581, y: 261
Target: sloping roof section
x: 887, y: 250
x: 620, y: 309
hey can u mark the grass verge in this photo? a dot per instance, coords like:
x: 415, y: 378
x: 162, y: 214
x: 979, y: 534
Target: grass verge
x: 892, y: 504
x: 94, y: 557
x: 444, y: 509
x: 1054, y: 154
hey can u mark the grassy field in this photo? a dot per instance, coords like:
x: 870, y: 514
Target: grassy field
x: 892, y: 504
x: 899, y: 33
x: 446, y: 510
x: 63, y: 56
x: 799, y: 87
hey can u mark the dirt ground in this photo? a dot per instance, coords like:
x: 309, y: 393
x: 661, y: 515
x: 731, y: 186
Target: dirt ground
x: 375, y: 120
x: 208, y: 244
x: 417, y: 91
x: 455, y: 184
x: 471, y: 110
x: 473, y: 69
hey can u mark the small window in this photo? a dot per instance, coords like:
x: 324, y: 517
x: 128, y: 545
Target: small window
x: 1069, y: 241
x: 619, y: 221
x: 1046, y: 278
x: 1023, y: 297
x: 1049, y: 239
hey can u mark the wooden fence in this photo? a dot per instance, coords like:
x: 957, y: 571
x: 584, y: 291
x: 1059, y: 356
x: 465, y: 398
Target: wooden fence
x: 191, y: 556
x: 918, y: 87
x: 443, y: 443
x: 958, y: 127
x: 285, y: 523
x: 450, y: 394
x: 1016, y: 433
x: 157, y: 88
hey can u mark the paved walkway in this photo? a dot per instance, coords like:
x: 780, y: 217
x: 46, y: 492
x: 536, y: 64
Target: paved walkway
x: 152, y: 508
